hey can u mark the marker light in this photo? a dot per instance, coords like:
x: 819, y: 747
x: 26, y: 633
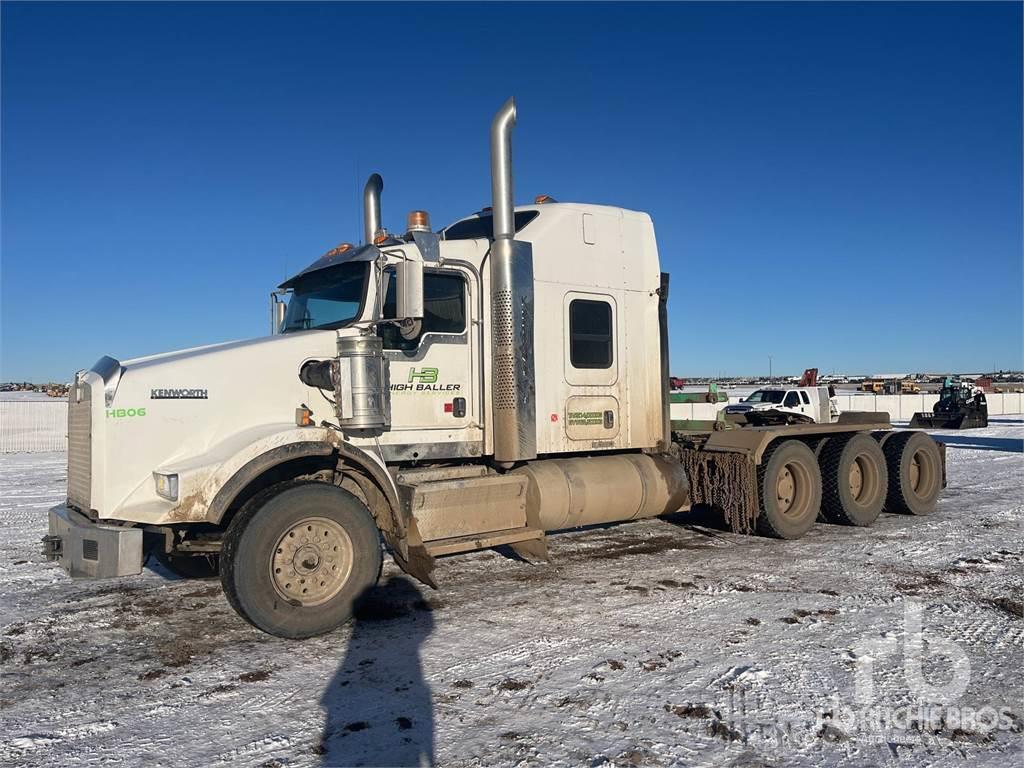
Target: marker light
x: 338, y: 251
x: 166, y: 485
x: 303, y: 417
x: 541, y: 199
x: 418, y: 221
x: 380, y: 237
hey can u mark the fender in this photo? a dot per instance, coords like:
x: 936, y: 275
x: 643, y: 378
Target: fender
x: 264, y: 454
x: 399, y: 529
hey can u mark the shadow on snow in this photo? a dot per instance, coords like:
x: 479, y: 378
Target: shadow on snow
x: 377, y: 707
x: 970, y: 442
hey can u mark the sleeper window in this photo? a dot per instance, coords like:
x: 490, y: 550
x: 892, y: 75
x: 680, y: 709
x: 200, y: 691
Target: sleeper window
x: 590, y: 334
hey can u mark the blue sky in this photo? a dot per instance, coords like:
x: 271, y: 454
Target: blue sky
x: 835, y: 185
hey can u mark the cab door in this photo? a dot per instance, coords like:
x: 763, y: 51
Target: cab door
x: 435, y: 395
x: 792, y: 402
x: 594, y: 404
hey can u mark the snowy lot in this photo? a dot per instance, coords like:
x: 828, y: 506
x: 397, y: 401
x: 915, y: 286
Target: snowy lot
x: 653, y: 643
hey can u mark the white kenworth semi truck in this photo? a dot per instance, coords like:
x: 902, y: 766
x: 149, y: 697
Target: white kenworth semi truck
x: 444, y: 392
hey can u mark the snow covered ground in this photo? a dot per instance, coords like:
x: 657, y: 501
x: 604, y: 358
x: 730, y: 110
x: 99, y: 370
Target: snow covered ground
x: 653, y: 643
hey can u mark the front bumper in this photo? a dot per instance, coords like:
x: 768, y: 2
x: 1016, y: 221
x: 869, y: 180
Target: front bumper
x: 93, y: 550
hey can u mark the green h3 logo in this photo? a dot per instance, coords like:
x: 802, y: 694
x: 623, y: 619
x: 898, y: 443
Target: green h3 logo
x: 423, y: 375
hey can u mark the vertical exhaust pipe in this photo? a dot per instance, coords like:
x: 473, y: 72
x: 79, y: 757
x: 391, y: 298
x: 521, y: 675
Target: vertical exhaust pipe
x: 371, y: 207
x: 501, y: 171
x: 513, y: 385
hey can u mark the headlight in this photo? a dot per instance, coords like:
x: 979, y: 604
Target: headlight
x: 166, y: 485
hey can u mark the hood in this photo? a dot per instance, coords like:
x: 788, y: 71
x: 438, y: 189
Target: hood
x: 270, y: 344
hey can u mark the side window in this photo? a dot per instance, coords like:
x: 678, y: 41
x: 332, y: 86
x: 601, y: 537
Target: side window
x: 444, y: 309
x: 590, y: 334
x: 792, y: 401
x: 806, y: 399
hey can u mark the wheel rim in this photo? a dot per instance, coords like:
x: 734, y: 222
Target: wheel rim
x: 856, y: 478
x: 792, y: 490
x: 312, y: 561
x: 915, y: 472
x: 921, y: 472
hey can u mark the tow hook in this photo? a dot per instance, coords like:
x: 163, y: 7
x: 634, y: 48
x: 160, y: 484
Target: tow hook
x: 52, y: 547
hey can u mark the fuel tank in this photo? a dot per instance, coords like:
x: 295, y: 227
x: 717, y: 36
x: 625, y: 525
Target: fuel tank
x: 569, y: 493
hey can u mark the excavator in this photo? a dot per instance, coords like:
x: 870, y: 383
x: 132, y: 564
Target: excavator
x: 960, y: 406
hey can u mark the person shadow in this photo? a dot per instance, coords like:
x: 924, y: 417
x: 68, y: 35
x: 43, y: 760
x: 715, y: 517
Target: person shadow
x: 377, y: 706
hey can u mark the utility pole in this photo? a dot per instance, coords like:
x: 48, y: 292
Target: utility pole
x: 769, y: 369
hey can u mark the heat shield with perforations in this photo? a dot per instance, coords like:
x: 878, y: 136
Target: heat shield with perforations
x: 514, y: 410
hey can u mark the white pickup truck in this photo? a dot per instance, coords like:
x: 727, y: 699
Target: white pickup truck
x: 785, y: 405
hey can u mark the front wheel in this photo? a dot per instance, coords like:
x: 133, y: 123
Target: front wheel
x: 298, y: 556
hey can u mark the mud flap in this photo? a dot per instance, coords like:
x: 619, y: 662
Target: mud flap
x: 411, y: 554
x: 725, y: 481
x: 532, y: 550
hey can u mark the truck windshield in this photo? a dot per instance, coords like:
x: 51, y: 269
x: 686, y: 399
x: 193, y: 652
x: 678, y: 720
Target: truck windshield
x: 328, y: 298
x: 766, y: 396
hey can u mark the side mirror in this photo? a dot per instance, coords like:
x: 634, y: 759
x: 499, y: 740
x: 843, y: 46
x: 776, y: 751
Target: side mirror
x: 409, y: 289
x: 277, y: 310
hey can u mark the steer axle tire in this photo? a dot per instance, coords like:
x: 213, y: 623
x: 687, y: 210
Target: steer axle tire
x: 854, y: 480
x: 789, y: 489
x: 915, y: 473
x: 297, y: 558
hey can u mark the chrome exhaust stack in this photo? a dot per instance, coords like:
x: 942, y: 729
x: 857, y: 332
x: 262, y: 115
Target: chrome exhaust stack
x: 371, y: 207
x: 513, y: 395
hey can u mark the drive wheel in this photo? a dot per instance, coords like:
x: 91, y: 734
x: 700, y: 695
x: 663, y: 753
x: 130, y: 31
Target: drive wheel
x: 789, y: 486
x: 189, y: 566
x: 854, y: 480
x: 298, y: 556
x: 915, y: 473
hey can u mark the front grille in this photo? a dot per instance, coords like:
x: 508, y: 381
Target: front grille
x: 80, y: 449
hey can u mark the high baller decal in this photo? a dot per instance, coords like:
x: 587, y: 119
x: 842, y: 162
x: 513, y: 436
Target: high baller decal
x: 424, y: 380
x: 424, y: 375
x: 177, y: 394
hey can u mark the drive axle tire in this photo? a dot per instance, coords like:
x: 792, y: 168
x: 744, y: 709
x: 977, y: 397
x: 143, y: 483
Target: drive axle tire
x: 297, y: 558
x: 789, y: 487
x: 854, y: 480
x: 915, y: 473
x: 189, y: 566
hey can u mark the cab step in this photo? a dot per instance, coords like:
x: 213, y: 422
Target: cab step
x: 475, y: 541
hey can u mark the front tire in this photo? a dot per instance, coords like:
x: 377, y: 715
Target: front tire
x: 789, y: 486
x: 297, y: 557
